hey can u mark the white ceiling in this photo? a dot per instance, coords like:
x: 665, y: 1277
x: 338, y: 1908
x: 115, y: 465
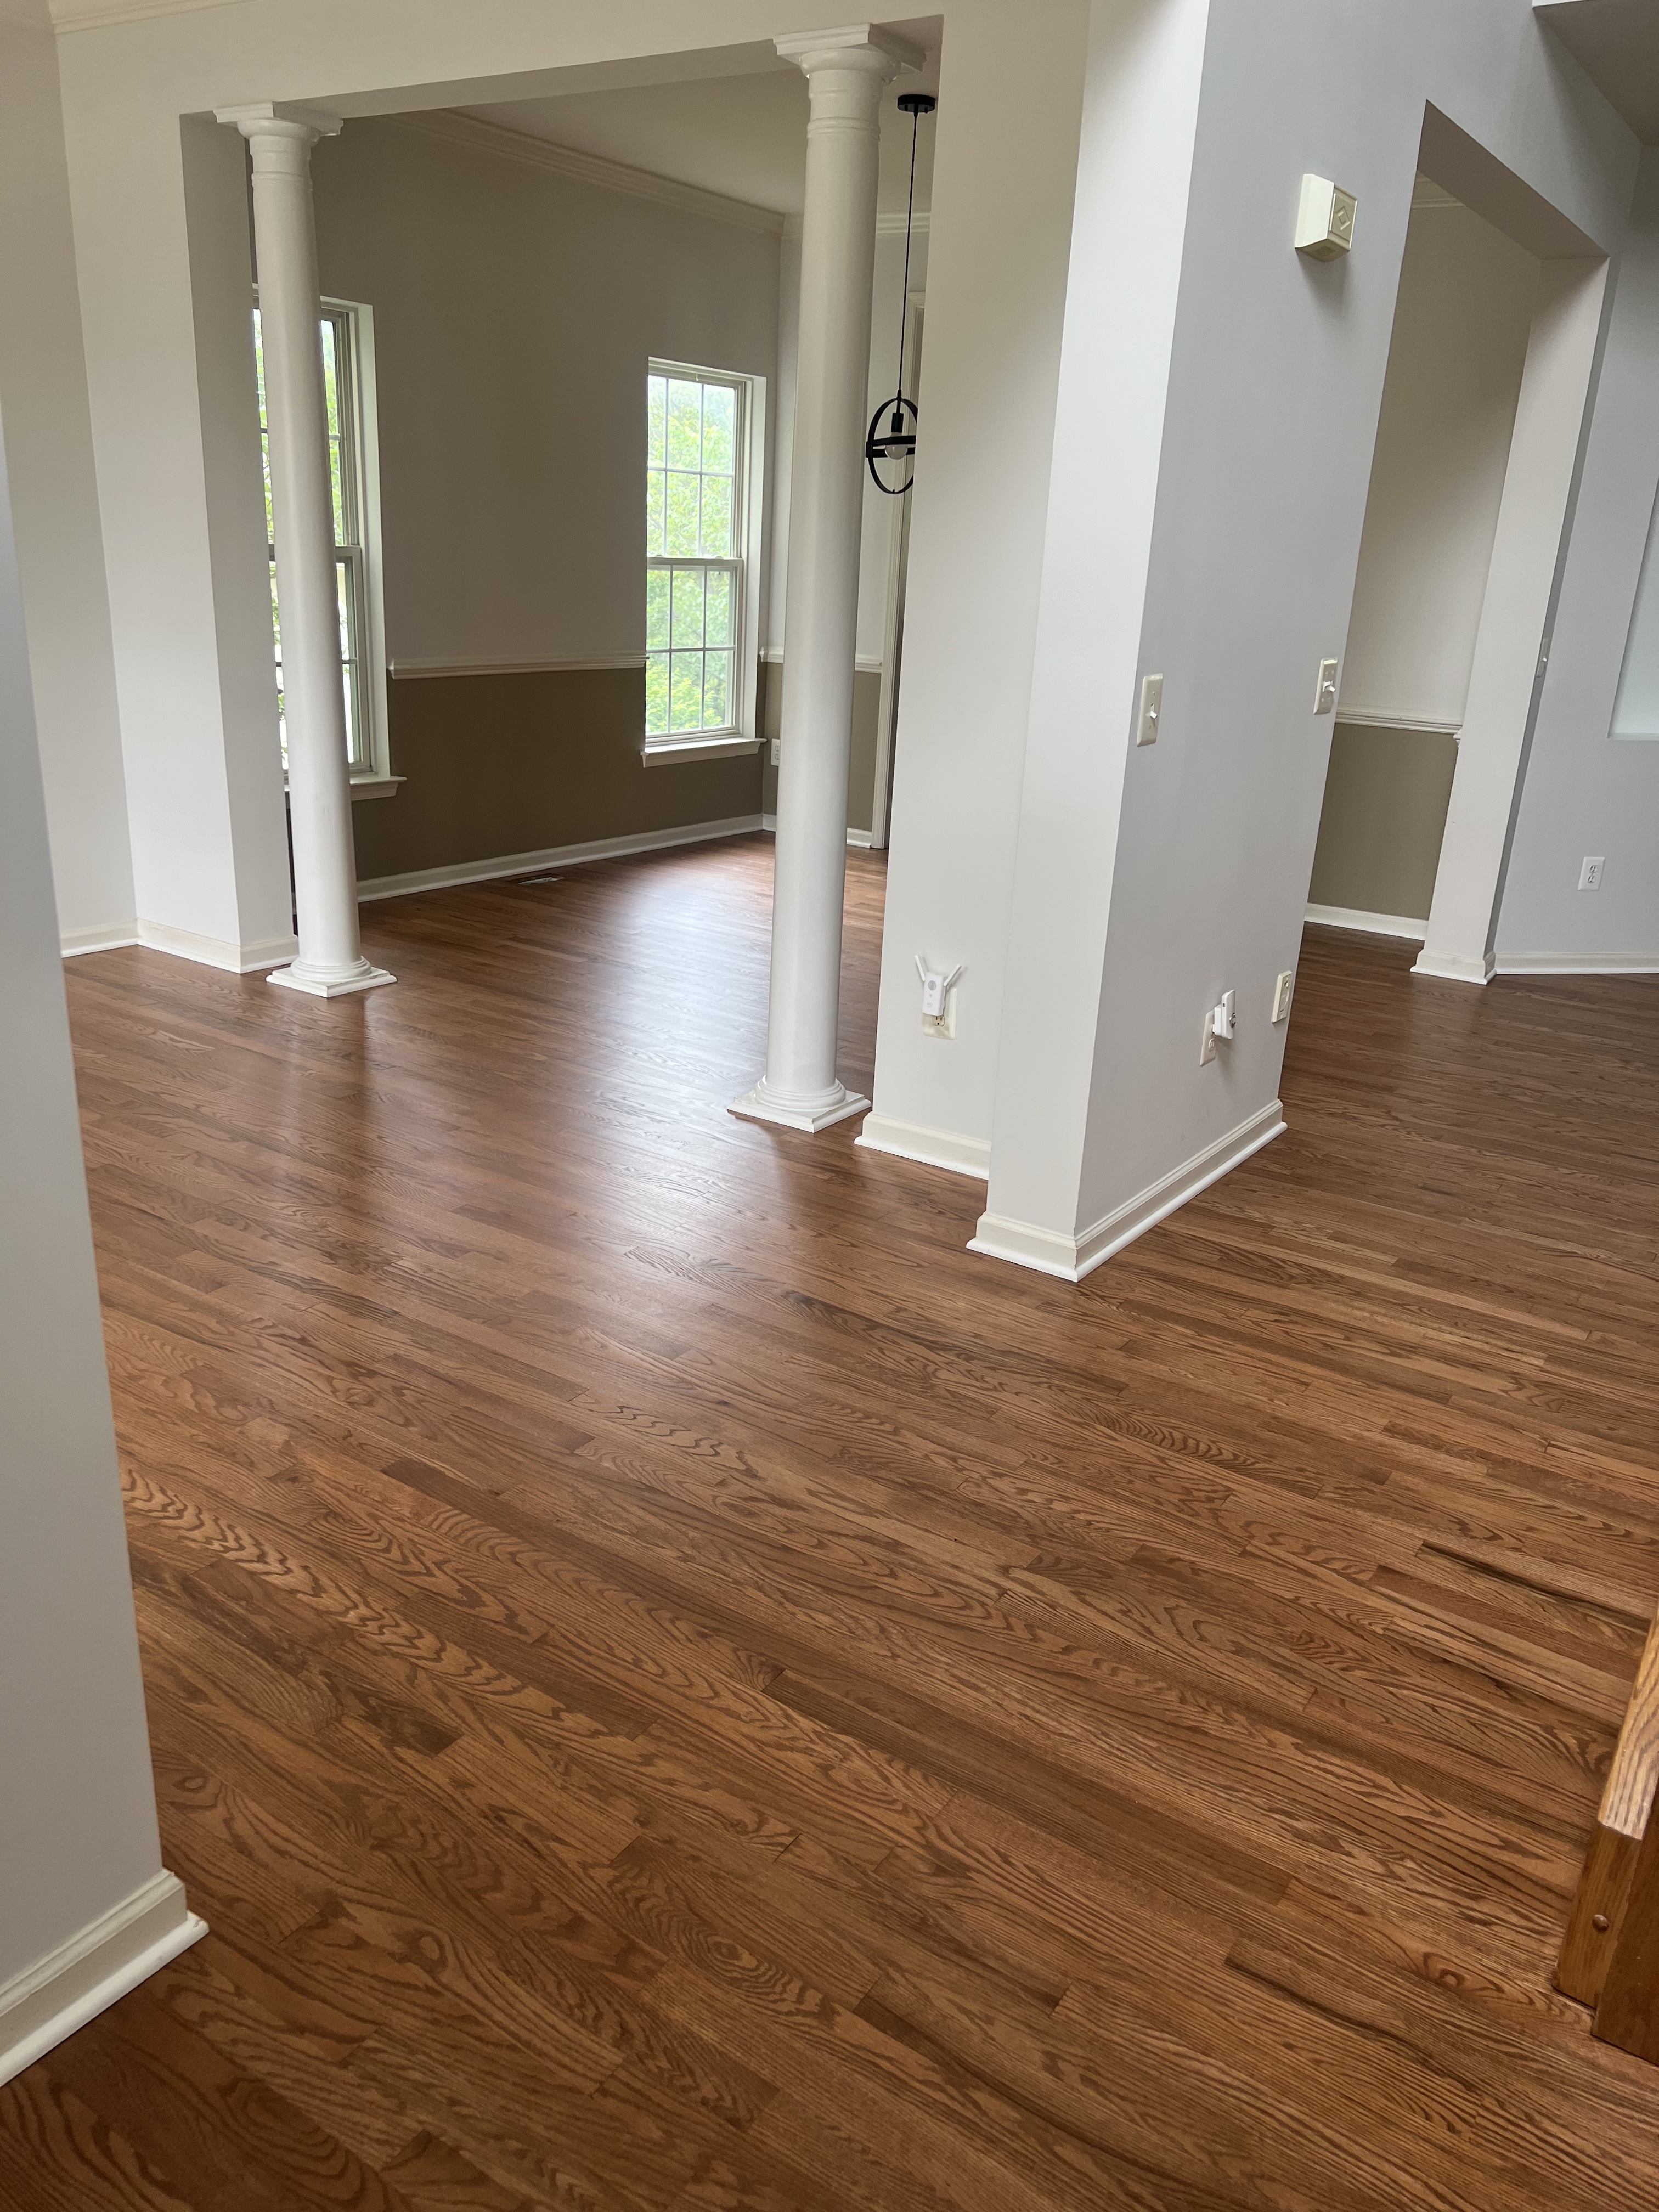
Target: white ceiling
x: 742, y: 136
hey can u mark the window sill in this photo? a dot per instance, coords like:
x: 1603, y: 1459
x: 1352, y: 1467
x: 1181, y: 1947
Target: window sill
x: 665, y: 751
x: 375, y: 786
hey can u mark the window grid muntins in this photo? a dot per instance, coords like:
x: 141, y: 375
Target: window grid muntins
x: 339, y: 390
x: 694, y: 569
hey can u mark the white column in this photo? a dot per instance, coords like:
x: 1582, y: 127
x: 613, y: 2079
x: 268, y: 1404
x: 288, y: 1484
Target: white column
x: 846, y: 71
x: 330, y: 961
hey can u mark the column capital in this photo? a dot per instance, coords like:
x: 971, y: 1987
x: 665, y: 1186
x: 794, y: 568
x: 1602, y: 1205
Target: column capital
x: 289, y: 119
x: 865, y: 46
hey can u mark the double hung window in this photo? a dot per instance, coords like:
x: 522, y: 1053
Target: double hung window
x: 342, y: 385
x: 696, y: 595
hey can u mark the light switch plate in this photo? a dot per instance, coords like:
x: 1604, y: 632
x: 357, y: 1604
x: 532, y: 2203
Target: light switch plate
x: 1151, y: 708
x: 1325, y: 697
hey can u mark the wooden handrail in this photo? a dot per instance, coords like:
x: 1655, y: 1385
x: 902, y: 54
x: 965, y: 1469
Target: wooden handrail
x: 1610, y: 1958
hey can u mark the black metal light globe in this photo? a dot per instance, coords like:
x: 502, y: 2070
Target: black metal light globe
x: 891, y: 442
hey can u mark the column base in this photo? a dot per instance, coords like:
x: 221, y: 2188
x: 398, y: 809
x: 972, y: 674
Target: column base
x: 1455, y: 967
x: 756, y: 1106
x: 294, y: 978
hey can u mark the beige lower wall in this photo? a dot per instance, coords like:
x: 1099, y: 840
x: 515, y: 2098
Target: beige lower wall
x: 495, y: 765
x: 861, y: 762
x: 1386, y: 797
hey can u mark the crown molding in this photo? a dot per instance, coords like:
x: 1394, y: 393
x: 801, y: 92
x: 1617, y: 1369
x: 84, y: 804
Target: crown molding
x: 890, y: 225
x: 98, y: 14
x: 511, y: 145
x: 1425, y: 193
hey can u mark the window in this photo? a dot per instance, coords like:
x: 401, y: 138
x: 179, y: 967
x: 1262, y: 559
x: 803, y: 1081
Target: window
x: 347, y: 388
x: 699, y: 620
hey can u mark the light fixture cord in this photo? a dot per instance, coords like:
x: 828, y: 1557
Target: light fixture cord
x: 909, y: 218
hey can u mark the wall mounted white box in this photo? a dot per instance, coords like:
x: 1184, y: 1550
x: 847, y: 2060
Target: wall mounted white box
x: 1324, y: 219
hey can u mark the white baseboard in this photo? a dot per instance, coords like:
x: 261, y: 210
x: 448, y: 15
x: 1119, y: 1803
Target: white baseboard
x: 858, y: 840
x: 1578, y: 964
x: 1453, y: 967
x: 72, y: 1985
x: 216, y: 952
x: 110, y: 939
x: 935, y: 1148
x: 554, y: 856
x: 1053, y: 1253
x: 1372, y: 925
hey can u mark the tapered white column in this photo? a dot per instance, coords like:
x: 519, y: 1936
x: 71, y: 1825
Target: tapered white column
x: 331, y: 962
x: 846, y: 71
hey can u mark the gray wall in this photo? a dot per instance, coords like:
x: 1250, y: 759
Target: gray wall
x: 77, y: 1831
x: 1386, y: 796
x: 1588, y: 793
x: 514, y: 311
x: 43, y: 381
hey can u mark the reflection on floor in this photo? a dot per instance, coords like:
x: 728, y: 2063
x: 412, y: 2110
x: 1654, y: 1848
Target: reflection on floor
x: 675, y: 1685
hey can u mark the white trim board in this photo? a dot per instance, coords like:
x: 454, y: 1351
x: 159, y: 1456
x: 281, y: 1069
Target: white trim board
x: 1052, y: 1252
x: 1370, y: 924
x: 858, y: 841
x: 933, y: 1148
x: 553, y: 856
x: 83, y: 1977
x: 522, y: 146
x: 1455, y: 967
x: 216, y: 952
x: 1378, y: 718
x: 666, y: 753
x: 1579, y: 964
x: 867, y: 664
x: 111, y: 938
x: 404, y: 669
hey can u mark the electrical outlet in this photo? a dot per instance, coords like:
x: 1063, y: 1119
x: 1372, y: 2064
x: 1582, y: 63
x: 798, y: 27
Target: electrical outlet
x: 1151, y: 706
x: 1206, y: 1049
x: 1589, y: 876
x: 1325, y: 695
x: 1282, y: 990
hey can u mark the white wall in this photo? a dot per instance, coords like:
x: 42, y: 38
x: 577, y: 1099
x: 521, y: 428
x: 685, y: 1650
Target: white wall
x: 1198, y: 849
x: 1461, y: 324
x: 43, y: 384
x: 83, y: 1895
x: 998, y: 244
x: 1588, y: 793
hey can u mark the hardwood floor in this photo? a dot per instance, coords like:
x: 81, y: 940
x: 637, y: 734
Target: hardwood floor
x: 676, y: 1686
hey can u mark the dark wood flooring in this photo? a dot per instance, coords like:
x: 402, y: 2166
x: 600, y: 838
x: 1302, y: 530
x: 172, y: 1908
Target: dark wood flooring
x: 676, y: 1686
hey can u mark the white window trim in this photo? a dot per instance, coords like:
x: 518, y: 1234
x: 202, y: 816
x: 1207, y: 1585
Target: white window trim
x: 376, y: 780
x: 372, y: 779
x: 744, y: 736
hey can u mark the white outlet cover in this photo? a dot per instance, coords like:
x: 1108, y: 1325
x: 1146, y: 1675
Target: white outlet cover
x: 1151, y: 706
x: 1282, y: 990
x: 1206, y: 1049
x: 1589, y: 876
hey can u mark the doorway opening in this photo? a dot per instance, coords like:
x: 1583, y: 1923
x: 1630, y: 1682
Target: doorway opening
x: 1488, y: 376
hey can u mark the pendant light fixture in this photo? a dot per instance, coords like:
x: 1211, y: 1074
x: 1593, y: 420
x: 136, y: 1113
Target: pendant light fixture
x: 893, y: 446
